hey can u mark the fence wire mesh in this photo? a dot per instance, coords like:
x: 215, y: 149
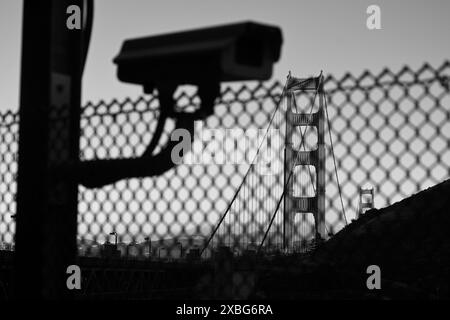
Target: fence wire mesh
x: 391, y: 132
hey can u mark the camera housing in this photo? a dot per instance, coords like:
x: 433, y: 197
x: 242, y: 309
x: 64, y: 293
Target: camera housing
x: 235, y: 52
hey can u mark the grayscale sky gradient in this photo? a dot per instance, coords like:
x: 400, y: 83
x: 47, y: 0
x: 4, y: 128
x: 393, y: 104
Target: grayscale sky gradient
x: 328, y: 34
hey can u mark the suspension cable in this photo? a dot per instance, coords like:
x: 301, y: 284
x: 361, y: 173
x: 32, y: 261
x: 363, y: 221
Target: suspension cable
x: 246, y: 174
x: 334, y: 161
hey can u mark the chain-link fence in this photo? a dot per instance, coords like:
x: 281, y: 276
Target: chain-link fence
x: 391, y: 131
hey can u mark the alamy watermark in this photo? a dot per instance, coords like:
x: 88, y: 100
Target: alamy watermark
x: 373, y: 21
x: 252, y: 146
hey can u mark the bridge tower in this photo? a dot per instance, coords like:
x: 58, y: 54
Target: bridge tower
x: 304, y: 204
x: 365, y: 200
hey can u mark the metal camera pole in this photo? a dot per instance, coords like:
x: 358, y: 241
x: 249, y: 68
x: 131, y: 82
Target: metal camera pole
x: 49, y: 135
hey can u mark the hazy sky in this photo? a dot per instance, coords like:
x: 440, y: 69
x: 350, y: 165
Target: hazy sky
x: 328, y: 34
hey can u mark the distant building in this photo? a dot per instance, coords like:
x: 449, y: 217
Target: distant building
x: 193, y: 254
x: 110, y: 250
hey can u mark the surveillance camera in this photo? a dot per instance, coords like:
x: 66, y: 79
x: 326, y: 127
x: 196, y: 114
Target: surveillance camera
x: 236, y: 52
x: 205, y: 58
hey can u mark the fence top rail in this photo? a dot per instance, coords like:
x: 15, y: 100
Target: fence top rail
x: 368, y: 80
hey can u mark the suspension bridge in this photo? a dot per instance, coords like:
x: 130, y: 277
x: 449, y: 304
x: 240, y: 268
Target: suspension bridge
x: 273, y: 211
